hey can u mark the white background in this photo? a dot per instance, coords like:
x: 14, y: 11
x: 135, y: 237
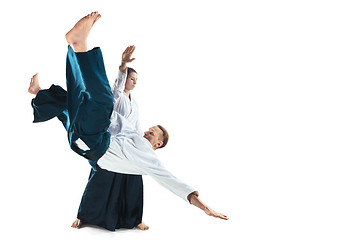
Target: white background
x: 261, y: 100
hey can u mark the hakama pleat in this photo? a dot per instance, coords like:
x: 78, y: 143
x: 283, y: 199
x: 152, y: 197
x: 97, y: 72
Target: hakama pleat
x: 112, y: 200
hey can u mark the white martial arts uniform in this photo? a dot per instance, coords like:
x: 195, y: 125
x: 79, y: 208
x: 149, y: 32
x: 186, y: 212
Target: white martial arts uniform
x: 124, y: 106
x: 129, y: 152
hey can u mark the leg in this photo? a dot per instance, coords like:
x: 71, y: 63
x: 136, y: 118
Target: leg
x: 112, y: 200
x: 90, y: 103
x: 131, y: 202
x: 90, y: 100
x: 50, y: 103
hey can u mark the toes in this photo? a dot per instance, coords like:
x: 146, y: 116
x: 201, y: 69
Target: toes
x: 76, y: 224
x: 96, y: 17
x: 93, y: 14
x: 142, y: 227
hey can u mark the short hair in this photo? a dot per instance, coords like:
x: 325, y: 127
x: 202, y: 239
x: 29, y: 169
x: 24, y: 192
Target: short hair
x: 165, y: 136
x: 130, y: 70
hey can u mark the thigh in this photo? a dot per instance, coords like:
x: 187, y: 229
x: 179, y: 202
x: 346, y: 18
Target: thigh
x: 90, y: 103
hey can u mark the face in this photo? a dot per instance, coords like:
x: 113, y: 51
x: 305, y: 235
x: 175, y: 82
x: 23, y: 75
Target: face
x: 131, y: 81
x: 154, y: 136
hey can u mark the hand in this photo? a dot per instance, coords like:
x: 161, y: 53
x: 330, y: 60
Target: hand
x: 215, y: 214
x: 195, y: 200
x: 126, y: 56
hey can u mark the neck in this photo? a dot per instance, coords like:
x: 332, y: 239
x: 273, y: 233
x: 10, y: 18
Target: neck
x: 127, y: 92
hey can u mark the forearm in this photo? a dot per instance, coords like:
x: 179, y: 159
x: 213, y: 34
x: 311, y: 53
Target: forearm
x: 194, y: 200
x: 123, y: 67
x: 119, y: 85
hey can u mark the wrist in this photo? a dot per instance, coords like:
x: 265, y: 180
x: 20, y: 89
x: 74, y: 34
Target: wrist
x: 122, y: 67
x: 193, y: 198
x: 190, y: 198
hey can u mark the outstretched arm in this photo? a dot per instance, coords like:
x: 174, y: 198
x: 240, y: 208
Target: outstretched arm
x: 119, y: 84
x: 194, y: 200
x: 126, y: 58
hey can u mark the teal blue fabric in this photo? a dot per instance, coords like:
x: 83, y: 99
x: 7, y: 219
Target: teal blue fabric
x: 50, y: 103
x: 89, y: 103
x: 112, y: 200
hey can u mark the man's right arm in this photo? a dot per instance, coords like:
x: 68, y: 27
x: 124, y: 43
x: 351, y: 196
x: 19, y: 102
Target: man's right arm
x: 195, y: 200
x: 151, y: 165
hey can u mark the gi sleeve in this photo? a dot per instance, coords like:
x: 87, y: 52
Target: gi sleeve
x: 148, y: 163
x: 119, y: 85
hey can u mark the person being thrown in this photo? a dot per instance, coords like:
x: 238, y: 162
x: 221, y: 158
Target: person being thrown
x: 90, y: 117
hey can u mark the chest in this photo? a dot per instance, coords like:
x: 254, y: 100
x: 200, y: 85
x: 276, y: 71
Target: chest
x: 127, y: 108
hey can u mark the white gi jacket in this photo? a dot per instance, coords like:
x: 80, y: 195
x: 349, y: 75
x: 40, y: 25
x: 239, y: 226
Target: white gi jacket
x: 129, y: 152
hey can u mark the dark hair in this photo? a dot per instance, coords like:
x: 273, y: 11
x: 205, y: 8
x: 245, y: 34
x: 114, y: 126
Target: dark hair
x: 130, y: 70
x: 165, y: 136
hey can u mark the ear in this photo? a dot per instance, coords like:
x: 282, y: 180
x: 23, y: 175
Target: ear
x: 159, y: 144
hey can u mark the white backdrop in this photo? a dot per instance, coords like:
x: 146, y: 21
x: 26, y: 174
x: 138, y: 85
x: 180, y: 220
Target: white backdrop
x: 260, y: 99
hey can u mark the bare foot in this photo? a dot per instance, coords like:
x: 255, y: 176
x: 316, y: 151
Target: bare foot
x: 77, y: 36
x: 142, y: 226
x: 77, y: 224
x: 34, y: 87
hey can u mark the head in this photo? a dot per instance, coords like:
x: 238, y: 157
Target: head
x: 157, y: 136
x: 131, y: 79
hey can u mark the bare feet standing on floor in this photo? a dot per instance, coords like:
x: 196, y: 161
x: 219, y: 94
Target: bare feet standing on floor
x: 77, y: 224
x: 34, y: 87
x: 77, y: 36
x: 142, y: 226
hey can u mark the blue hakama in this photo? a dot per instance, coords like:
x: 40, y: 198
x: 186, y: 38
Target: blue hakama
x: 90, y: 103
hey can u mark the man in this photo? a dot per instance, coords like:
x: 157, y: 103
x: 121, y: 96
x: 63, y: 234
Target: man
x: 91, y: 115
